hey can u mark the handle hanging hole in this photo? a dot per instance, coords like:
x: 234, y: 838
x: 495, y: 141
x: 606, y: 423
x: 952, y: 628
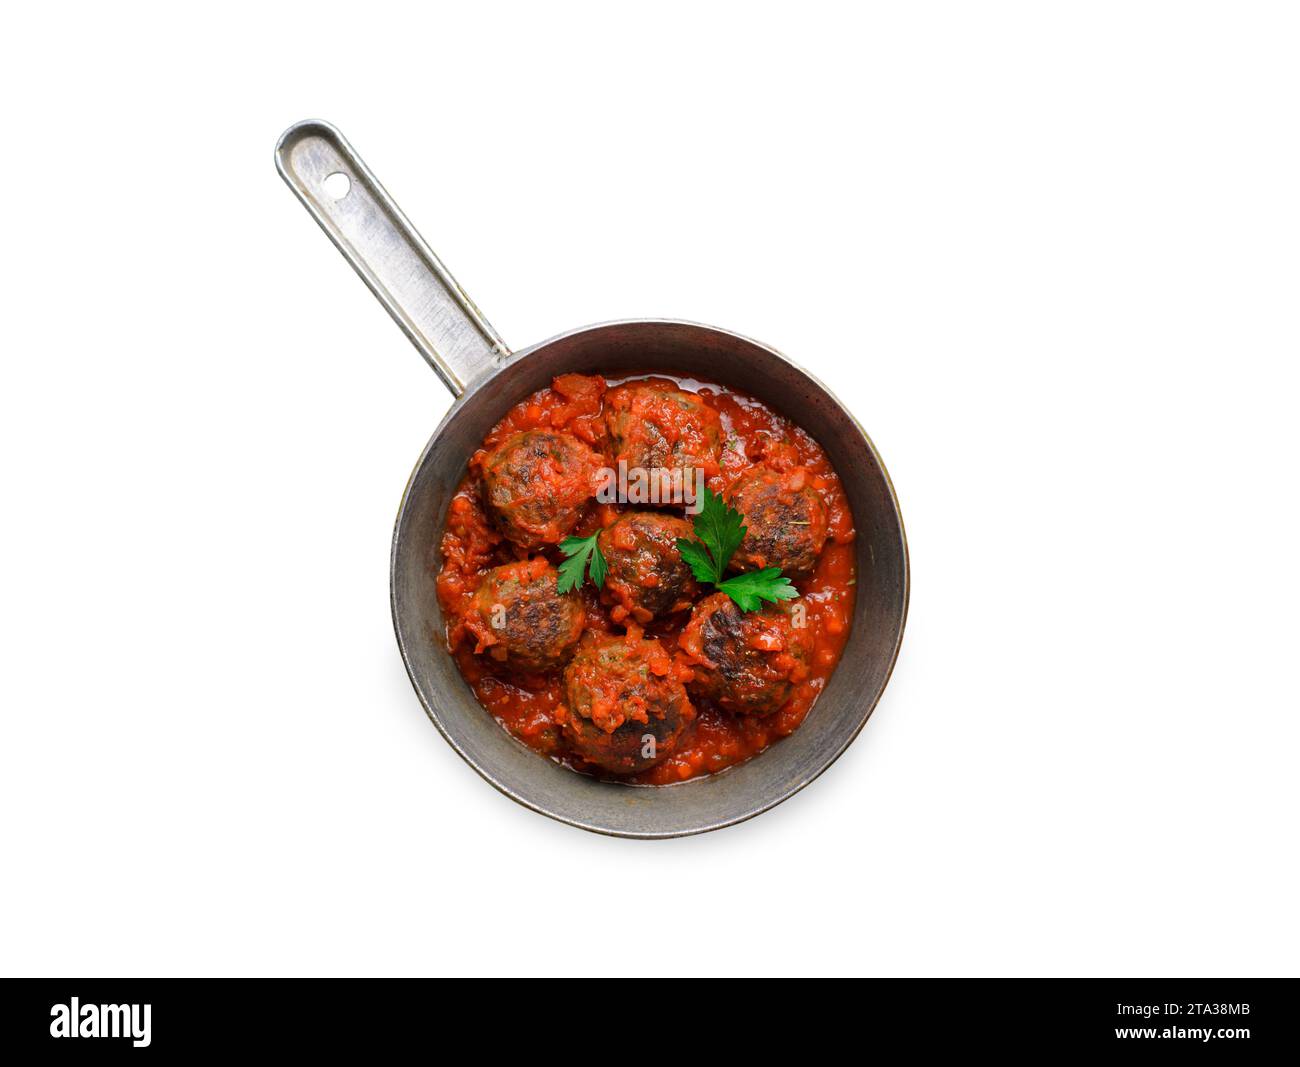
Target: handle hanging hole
x: 337, y: 185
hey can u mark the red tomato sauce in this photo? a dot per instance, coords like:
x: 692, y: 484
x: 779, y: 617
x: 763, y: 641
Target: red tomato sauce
x: 530, y: 707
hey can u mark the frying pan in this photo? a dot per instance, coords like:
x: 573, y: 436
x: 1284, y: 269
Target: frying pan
x: 486, y: 379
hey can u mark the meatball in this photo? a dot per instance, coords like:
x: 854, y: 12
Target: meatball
x: 520, y: 618
x: 536, y: 484
x: 647, y: 576
x: 746, y: 662
x: 785, y: 521
x: 627, y: 707
x: 654, y: 426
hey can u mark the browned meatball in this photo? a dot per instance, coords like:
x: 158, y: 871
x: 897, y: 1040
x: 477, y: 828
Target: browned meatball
x: 646, y: 574
x: 785, y: 521
x: 536, y: 484
x: 746, y: 662
x: 520, y: 618
x: 627, y: 707
x: 654, y: 426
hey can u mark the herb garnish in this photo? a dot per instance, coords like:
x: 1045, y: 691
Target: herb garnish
x: 720, y: 529
x: 573, y: 570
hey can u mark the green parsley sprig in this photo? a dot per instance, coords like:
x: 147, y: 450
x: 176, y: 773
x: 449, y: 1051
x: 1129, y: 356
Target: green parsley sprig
x: 581, y: 551
x: 720, y: 529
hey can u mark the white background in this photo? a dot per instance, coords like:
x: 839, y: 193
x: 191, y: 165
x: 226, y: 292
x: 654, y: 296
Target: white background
x: 1049, y: 254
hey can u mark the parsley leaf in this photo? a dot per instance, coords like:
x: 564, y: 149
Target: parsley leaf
x: 697, y: 558
x: 752, y: 587
x: 598, y: 567
x: 573, y: 570
x: 720, y: 529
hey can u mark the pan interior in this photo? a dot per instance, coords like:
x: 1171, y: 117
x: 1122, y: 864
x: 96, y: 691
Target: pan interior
x: 703, y: 803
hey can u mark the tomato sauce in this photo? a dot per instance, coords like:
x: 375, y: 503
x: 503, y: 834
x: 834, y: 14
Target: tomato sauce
x: 531, y: 707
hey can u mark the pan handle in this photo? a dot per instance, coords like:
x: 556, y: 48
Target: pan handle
x: 391, y: 257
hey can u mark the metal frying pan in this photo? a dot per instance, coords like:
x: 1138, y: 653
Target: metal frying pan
x: 487, y: 379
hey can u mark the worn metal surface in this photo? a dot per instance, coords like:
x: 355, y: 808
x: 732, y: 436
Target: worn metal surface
x: 389, y: 254
x: 487, y: 388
